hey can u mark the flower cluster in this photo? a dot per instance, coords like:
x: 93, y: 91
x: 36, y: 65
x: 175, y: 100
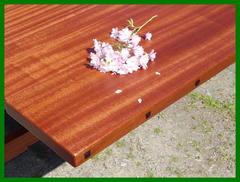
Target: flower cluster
x: 125, y: 55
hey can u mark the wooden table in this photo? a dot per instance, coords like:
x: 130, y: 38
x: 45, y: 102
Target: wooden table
x: 52, y: 92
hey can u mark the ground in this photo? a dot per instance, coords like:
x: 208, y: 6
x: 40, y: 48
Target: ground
x: 194, y: 137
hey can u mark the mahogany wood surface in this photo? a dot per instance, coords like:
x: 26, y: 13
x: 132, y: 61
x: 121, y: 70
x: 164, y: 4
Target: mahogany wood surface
x: 17, y: 138
x: 17, y: 143
x: 51, y: 91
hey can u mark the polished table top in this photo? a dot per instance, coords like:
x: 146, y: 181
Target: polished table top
x: 51, y: 91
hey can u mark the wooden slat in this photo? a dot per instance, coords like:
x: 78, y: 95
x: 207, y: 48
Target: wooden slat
x: 17, y: 143
x: 52, y: 92
x: 17, y: 138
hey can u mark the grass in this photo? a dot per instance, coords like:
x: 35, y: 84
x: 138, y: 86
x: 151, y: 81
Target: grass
x: 207, y: 130
x: 189, y: 156
x: 220, y: 135
x: 121, y: 143
x: 99, y: 157
x: 214, y: 103
x: 130, y: 156
x: 133, y: 133
x: 175, y: 171
x: 209, y: 101
x: 139, y: 145
x: 189, y: 106
x: 161, y: 115
x: 174, y: 159
x: 179, y: 146
x: 131, y: 149
x: 207, y: 139
x: 205, y: 126
x: 195, y: 145
x: 201, y: 172
x: 138, y: 164
x: 149, y: 173
x: 157, y: 131
x: 210, y: 161
x: 226, y: 127
x: 193, y: 117
x: 194, y: 127
x: 108, y: 152
x: 96, y: 157
x: 102, y: 156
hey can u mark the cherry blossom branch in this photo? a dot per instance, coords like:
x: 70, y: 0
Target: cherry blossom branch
x: 137, y: 29
x: 125, y: 55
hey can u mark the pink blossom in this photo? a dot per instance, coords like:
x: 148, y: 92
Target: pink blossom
x: 123, y: 70
x: 97, y: 46
x: 126, y: 59
x: 152, y: 55
x: 125, y: 53
x: 132, y: 64
x: 144, y: 61
x: 113, y: 67
x: 135, y: 40
x: 124, y: 35
x: 148, y: 36
x: 94, y: 60
x: 138, y: 50
x: 114, y: 33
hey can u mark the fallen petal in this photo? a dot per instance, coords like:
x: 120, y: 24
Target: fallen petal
x: 118, y: 91
x: 148, y: 36
x: 139, y: 100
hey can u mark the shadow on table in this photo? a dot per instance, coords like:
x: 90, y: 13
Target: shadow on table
x: 37, y: 161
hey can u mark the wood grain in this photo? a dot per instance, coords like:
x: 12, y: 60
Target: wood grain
x: 17, y: 138
x: 51, y: 91
x: 17, y: 143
